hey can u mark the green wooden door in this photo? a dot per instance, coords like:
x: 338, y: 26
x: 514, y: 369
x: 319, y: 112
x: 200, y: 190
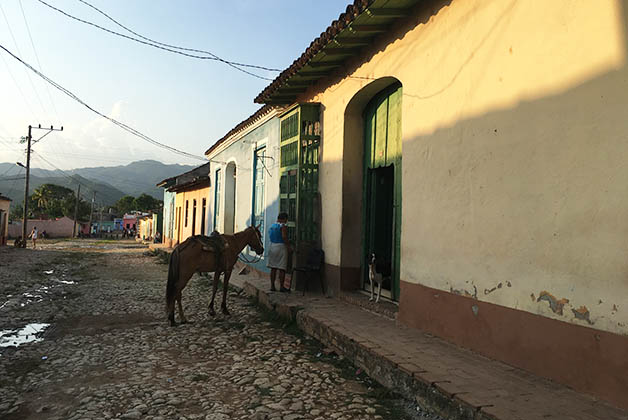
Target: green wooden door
x: 382, y: 182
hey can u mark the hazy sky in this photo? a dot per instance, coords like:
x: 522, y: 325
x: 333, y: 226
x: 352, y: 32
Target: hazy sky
x: 183, y: 102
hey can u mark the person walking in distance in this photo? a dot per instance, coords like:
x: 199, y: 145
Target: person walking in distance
x: 278, y: 253
x: 34, y: 235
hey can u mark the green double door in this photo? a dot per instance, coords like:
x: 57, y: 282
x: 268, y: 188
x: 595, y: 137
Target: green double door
x: 382, y: 185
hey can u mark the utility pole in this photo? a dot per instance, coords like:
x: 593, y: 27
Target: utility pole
x: 28, y: 170
x: 78, y: 197
x: 100, y: 224
x: 91, y: 212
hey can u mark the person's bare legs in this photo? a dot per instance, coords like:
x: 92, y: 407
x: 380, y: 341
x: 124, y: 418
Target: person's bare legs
x: 273, y: 276
x: 282, y: 280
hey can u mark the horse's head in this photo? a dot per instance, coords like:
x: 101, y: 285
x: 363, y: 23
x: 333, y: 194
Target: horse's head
x: 255, y: 240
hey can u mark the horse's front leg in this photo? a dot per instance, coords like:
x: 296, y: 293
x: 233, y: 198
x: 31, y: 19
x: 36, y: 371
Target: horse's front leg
x: 225, y: 289
x: 212, y: 312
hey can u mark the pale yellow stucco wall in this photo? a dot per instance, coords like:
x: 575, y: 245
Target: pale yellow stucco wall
x: 181, y: 231
x: 515, y: 153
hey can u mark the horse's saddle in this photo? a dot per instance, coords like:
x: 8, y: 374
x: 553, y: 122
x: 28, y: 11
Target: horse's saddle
x: 213, y: 243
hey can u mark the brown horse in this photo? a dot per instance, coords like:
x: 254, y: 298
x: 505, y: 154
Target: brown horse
x: 217, y: 253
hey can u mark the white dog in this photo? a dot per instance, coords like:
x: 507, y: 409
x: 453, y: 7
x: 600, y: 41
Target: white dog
x: 377, y: 273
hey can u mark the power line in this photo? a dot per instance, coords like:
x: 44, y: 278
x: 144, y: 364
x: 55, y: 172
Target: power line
x: 232, y: 63
x: 28, y: 29
x: 160, y: 45
x: 125, y: 127
x: 63, y: 173
x: 17, y: 85
x: 18, y: 51
x: 14, y: 182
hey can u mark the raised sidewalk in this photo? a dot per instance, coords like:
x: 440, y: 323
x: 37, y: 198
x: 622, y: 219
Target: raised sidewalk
x: 453, y: 382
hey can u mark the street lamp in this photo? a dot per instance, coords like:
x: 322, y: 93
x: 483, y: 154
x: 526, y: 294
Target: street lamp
x: 19, y: 164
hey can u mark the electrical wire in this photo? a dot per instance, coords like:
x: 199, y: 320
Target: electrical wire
x: 125, y: 127
x: 64, y: 173
x: 161, y: 45
x: 10, y: 190
x: 28, y: 29
x: 233, y: 63
x: 17, y: 85
x: 18, y: 51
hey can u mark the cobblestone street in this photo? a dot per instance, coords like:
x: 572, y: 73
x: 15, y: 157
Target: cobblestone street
x: 109, y: 352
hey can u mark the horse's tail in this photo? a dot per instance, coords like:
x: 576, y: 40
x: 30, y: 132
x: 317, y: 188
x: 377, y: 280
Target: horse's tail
x: 173, y: 278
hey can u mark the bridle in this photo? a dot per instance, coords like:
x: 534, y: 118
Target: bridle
x: 258, y: 256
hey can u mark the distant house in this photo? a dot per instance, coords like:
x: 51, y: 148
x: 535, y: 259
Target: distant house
x: 185, y: 212
x: 167, y: 225
x: 157, y: 225
x: 145, y: 227
x: 118, y: 223
x: 105, y: 226
x: 5, y: 205
x: 129, y: 221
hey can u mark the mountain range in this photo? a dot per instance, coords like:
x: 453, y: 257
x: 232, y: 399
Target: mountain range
x: 110, y: 182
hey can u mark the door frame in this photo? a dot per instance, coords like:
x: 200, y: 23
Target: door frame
x: 381, y: 96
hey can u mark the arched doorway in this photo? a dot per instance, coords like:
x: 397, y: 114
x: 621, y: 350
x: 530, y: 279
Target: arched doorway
x: 230, y: 198
x: 381, y: 215
x: 372, y: 178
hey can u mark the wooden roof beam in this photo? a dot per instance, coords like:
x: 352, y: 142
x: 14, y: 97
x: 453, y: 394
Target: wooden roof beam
x: 369, y: 28
x: 292, y: 89
x: 352, y: 41
x: 312, y: 73
x: 299, y: 83
x: 384, y: 12
x: 340, y: 51
x: 325, y: 63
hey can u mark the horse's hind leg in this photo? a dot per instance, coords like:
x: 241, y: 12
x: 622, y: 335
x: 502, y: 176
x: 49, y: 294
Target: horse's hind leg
x: 225, y: 288
x: 212, y: 312
x: 181, y: 316
x: 171, y: 314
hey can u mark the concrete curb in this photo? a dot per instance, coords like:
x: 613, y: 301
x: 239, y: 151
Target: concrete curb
x: 392, y: 372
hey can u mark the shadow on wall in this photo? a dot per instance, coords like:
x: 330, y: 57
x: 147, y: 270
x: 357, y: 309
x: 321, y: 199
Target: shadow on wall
x: 529, y: 197
x: 533, y: 194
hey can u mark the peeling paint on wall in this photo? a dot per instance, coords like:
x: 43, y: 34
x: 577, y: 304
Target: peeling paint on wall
x: 492, y: 289
x: 556, y: 305
x: 582, y: 313
x: 475, y: 309
x: 465, y: 293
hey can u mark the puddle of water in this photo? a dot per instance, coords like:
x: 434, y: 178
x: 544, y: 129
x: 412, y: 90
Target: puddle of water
x: 65, y: 281
x: 29, y: 334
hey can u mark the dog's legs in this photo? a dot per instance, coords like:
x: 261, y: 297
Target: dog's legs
x: 372, y: 287
x: 379, y: 290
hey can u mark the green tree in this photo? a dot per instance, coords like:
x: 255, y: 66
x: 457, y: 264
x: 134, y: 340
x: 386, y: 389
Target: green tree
x: 68, y: 207
x: 16, y: 213
x: 48, y: 200
x: 126, y: 204
x: 146, y: 202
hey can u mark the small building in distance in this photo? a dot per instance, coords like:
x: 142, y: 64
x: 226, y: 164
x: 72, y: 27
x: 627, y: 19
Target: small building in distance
x: 5, y: 207
x: 185, y: 208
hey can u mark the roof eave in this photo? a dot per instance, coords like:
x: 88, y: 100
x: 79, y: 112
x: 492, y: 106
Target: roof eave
x: 345, y: 38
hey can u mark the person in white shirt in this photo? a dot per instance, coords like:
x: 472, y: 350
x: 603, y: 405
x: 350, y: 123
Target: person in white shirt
x: 34, y: 235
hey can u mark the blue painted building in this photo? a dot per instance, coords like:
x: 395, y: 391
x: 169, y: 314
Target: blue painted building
x: 246, y: 161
